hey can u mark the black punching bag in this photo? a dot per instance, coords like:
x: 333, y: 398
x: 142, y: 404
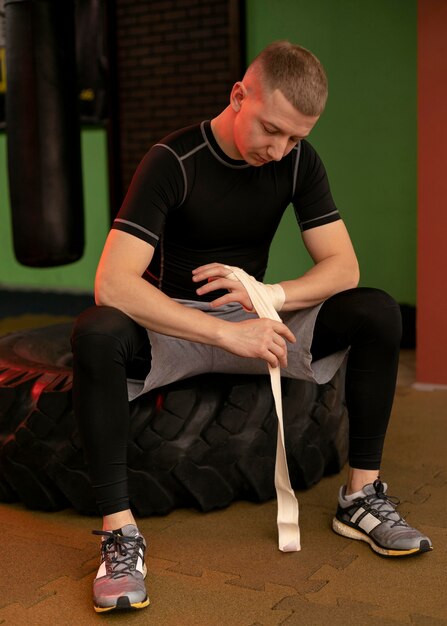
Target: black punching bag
x: 42, y: 124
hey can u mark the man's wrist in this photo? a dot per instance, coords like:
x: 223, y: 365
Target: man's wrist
x: 277, y: 295
x: 220, y: 333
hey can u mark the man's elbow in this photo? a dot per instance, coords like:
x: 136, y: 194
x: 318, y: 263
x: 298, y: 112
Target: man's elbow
x: 349, y: 273
x: 354, y: 282
x: 354, y: 275
x: 106, y: 293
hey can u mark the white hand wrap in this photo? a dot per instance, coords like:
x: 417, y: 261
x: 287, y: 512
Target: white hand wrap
x: 276, y: 295
x: 270, y: 293
x: 267, y: 300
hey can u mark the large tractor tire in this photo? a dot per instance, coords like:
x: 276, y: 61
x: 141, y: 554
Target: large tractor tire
x: 201, y: 442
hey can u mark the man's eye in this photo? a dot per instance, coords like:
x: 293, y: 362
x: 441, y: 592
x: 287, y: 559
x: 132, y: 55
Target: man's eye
x: 270, y: 131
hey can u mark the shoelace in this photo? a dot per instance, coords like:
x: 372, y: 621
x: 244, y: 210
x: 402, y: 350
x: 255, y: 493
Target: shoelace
x: 385, y: 506
x: 120, y: 552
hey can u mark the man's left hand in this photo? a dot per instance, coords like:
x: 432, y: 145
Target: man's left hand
x: 216, y: 275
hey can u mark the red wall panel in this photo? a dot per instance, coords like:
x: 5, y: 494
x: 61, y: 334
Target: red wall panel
x: 431, y: 357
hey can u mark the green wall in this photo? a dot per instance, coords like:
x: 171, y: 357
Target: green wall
x: 367, y: 135
x: 77, y: 276
x: 366, y: 138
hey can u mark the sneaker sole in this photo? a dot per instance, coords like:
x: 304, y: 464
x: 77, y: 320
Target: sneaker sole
x: 352, y: 533
x: 122, y: 606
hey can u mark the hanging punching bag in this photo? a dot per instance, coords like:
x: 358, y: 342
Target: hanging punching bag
x: 42, y: 125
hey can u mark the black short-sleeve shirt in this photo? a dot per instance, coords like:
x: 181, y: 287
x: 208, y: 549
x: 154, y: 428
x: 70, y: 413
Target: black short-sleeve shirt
x: 196, y: 205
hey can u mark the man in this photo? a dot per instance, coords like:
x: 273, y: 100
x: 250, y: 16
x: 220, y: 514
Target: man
x: 205, y: 199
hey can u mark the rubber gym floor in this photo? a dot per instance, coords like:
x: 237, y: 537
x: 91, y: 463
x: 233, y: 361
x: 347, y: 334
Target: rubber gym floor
x: 223, y: 568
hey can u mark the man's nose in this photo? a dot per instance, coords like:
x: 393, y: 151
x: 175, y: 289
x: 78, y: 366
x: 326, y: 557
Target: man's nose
x: 277, y: 148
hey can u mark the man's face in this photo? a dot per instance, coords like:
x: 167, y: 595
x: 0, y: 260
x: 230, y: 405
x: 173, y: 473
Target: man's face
x: 266, y: 126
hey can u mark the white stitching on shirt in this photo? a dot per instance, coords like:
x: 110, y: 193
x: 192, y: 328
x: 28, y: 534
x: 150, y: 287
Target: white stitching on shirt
x: 185, y: 180
x: 320, y: 217
x: 148, y: 232
x: 295, y: 169
x: 185, y: 156
x: 236, y: 167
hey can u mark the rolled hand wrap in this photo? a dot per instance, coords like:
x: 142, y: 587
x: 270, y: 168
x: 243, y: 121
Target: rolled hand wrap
x: 267, y: 300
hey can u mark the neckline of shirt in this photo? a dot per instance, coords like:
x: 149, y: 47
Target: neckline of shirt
x: 216, y: 150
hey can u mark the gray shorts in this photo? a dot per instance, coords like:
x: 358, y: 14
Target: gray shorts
x: 175, y: 359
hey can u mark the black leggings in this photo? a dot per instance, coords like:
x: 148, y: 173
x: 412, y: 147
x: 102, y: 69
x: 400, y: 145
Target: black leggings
x: 108, y: 347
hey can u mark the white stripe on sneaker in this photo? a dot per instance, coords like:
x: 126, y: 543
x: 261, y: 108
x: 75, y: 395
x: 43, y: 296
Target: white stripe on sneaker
x: 369, y: 522
x: 102, y: 570
x: 357, y: 514
x: 140, y: 565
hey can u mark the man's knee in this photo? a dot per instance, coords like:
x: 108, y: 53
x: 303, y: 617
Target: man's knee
x: 380, y: 312
x: 102, y: 320
x: 102, y: 330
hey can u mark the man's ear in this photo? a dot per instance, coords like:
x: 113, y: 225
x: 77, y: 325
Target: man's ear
x: 238, y: 94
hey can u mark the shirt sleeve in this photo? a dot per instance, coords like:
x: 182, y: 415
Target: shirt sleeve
x: 312, y: 201
x: 157, y: 186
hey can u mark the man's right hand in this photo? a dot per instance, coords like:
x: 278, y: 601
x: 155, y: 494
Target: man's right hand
x: 258, y: 338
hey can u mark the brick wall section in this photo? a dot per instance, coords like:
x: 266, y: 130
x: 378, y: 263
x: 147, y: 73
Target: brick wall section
x: 176, y: 63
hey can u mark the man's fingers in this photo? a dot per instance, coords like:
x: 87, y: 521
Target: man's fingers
x: 272, y: 360
x: 226, y: 299
x: 278, y: 346
x: 280, y: 341
x: 237, y: 293
x: 284, y: 331
x: 209, y: 271
x: 212, y: 285
x: 274, y: 346
x: 280, y: 352
x: 206, y: 267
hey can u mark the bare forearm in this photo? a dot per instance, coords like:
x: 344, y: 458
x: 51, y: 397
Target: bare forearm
x: 323, y: 280
x: 152, y: 309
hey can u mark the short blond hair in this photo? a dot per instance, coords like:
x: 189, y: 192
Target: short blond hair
x: 296, y: 72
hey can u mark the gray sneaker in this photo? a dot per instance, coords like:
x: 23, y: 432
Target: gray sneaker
x: 370, y: 515
x: 119, y: 583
